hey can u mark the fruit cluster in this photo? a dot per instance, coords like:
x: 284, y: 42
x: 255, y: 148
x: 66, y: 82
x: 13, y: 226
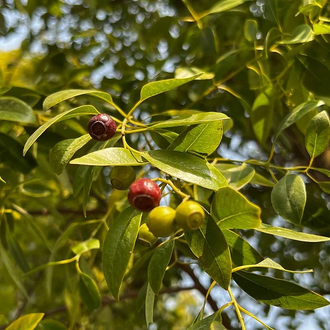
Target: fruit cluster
x: 145, y: 195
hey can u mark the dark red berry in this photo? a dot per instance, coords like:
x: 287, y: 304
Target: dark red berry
x: 144, y: 195
x: 101, y: 127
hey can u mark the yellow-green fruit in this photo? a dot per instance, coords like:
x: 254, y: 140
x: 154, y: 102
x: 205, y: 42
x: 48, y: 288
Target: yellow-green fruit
x: 189, y: 215
x: 161, y: 221
x: 146, y: 237
x: 122, y: 177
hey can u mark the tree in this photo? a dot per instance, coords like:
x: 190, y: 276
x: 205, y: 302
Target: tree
x: 220, y: 102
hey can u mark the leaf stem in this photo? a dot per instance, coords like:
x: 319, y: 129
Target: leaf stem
x: 177, y: 190
x: 238, y: 312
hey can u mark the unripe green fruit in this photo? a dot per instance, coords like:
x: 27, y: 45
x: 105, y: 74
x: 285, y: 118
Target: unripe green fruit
x: 146, y: 237
x: 122, y: 177
x: 189, y: 215
x: 161, y: 221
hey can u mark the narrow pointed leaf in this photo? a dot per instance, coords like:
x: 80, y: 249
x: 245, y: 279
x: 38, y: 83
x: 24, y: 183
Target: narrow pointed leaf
x: 231, y: 209
x: 89, y: 292
x: 186, y: 167
x: 150, y: 301
x: 157, y: 265
x: 289, y: 198
x: 83, y: 110
x: 158, y: 87
x: 278, y: 292
x: 291, y: 234
x: 301, y: 34
x: 318, y: 134
x: 118, y: 248
x: 26, y: 322
x: 63, y: 151
x: 61, y: 96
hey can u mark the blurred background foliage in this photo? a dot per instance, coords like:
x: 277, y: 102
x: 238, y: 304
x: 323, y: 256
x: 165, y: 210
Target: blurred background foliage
x: 247, y: 49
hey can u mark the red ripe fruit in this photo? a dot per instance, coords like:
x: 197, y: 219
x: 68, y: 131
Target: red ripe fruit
x: 101, y: 127
x: 144, y: 195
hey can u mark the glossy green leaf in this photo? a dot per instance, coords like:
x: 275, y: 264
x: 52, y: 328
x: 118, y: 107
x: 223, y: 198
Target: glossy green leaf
x: 157, y: 265
x: 163, y: 138
x: 201, y: 139
x: 82, y: 247
x: 262, y: 114
x: 83, y: 110
x: 240, y: 176
x: 278, y: 292
x: 291, y: 234
x: 162, y: 86
x: 50, y: 324
x: 250, y: 30
x: 318, y: 134
x: 261, y: 180
x: 315, y: 76
x: 63, y: 151
x: 269, y: 263
x: 61, y: 96
x: 186, y: 167
x: 186, y: 72
x: 89, y: 292
x: 321, y: 29
x: 118, y: 247
x: 109, y: 157
x: 301, y: 34
x: 289, y: 198
x: 11, y: 155
x: 209, y: 245
x: 205, y: 324
x: 193, y: 119
x: 242, y: 252
x: 13, y: 109
x: 297, y: 113
x: 26, y: 322
x: 325, y: 186
x: 231, y: 209
x: 150, y: 301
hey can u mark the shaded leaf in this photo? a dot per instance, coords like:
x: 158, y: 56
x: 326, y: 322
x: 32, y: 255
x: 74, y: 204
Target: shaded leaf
x: 118, y: 247
x: 89, y: 292
x: 289, y: 198
x: 150, y: 301
x: 13, y: 109
x: 51, y: 325
x: 240, y: 176
x: 231, y: 209
x: 278, y: 292
x: 250, y: 30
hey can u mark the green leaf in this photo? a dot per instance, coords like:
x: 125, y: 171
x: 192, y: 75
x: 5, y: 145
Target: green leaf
x: 315, y: 76
x: 11, y: 155
x: 242, y: 252
x: 163, y: 138
x: 231, y: 209
x: 63, y: 151
x: 297, y: 113
x: 321, y: 29
x: 192, y: 119
x: 82, y: 247
x: 186, y: 167
x: 291, y: 234
x: 51, y: 325
x: 301, y: 34
x: 250, y: 30
x: 109, y: 157
x: 150, y: 301
x: 318, y: 134
x: 205, y: 324
x: 89, y: 292
x: 240, y: 176
x: 186, y: 72
x: 261, y: 180
x: 209, y: 245
x: 26, y: 322
x: 278, y: 292
x: 61, y: 96
x: 158, y: 263
x: 83, y: 110
x: 2, y: 180
x: 269, y: 263
x: 162, y: 86
x: 118, y: 248
x: 219, y: 7
x: 201, y: 139
x: 289, y: 198
x: 262, y: 114
x: 13, y: 109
